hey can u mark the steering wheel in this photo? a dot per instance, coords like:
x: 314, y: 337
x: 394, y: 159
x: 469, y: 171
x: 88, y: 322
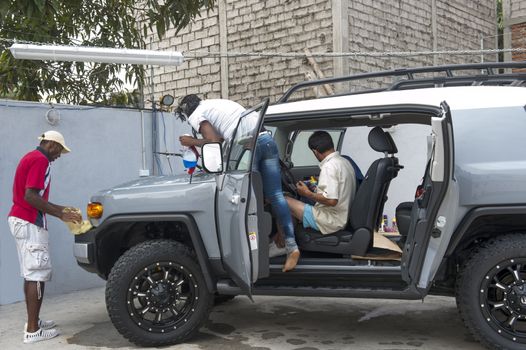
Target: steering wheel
x: 287, y: 180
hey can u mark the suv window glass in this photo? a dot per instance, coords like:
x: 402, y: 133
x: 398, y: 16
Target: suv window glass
x: 302, y: 155
x: 241, y: 144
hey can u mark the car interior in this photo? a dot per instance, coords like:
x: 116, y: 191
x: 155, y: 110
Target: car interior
x: 352, y: 245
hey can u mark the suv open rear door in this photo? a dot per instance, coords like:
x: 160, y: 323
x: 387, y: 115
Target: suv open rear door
x: 236, y: 214
x: 433, y: 215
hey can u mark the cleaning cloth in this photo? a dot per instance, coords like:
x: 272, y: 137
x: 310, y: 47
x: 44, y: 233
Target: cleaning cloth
x: 78, y: 228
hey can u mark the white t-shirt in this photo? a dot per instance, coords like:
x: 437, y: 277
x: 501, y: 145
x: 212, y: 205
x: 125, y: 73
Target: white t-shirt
x: 336, y: 181
x: 222, y: 114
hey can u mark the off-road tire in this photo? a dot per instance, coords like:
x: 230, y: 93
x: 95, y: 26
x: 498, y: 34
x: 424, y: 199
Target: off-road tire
x: 175, y: 258
x: 489, y: 260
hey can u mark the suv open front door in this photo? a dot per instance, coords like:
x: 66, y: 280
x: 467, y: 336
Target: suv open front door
x: 236, y: 214
x: 433, y: 213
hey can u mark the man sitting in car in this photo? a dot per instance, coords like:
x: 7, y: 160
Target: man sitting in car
x: 334, y: 193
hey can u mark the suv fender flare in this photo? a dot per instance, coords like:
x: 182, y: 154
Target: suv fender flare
x: 193, y: 230
x: 475, y: 213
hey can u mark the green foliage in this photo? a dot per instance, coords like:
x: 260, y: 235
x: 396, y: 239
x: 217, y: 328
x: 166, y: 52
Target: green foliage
x: 101, y: 23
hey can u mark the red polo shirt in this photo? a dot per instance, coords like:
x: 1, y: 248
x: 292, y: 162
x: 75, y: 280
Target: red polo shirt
x: 32, y: 172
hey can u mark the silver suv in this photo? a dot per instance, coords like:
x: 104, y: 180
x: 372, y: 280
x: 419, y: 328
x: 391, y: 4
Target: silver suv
x: 170, y: 247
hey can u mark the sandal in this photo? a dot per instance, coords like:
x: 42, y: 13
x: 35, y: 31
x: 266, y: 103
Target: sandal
x: 41, y: 334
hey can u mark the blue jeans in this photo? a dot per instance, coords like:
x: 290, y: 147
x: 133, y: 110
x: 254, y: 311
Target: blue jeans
x: 266, y: 161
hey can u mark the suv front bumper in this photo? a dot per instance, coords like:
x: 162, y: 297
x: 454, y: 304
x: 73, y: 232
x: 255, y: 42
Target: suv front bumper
x: 84, y: 251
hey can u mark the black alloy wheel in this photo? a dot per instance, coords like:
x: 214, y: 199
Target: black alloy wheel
x: 156, y: 294
x: 162, y: 297
x: 503, y: 299
x: 491, y: 292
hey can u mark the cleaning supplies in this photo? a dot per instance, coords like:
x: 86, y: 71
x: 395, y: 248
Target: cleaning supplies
x: 77, y: 228
x: 190, y: 159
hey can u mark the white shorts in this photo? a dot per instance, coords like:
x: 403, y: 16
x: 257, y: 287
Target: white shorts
x: 33, y: 249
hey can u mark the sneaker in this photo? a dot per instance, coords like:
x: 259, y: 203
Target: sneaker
x: 41, y: 334
x: 43, y: 324
x: 274, y: 250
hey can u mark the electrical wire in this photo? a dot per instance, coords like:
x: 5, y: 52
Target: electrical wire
x: 199, y: 54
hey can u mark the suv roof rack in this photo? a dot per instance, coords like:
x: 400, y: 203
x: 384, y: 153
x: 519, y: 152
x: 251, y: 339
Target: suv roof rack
x: 489, y: 75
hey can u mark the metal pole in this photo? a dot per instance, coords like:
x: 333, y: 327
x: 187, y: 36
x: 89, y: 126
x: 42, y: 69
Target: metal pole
x: 154, y: 123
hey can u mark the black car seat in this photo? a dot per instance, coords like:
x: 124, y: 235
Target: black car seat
x: 365, y: 209
x: 396, y: 165
x: 357, y: 171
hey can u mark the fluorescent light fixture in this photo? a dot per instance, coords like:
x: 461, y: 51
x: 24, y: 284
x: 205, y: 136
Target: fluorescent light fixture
x: 96, y: 54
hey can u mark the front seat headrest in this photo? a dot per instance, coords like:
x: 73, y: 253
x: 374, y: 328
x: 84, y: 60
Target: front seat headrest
x: 381, y: 141
x: 394, y: 149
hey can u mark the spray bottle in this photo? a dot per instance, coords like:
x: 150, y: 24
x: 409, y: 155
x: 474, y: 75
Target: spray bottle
x: 190, y: 159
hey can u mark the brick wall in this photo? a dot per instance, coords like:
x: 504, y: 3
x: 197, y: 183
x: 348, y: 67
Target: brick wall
x: 407, y: 25
x: 518, y: 8
x: 292, y: 26
x: 196, y: 75
x: 462, y: 24
x: 277, y: 26
x: 515, y: 28
x: 384, y: 25
x: 518, y: 38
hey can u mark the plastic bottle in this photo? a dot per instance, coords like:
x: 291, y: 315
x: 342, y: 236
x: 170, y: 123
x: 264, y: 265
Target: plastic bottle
x: 313, y: 183
x: 385, y: 223
x: 395, y: 226
x: 382, y: 225
x: 190, y: 158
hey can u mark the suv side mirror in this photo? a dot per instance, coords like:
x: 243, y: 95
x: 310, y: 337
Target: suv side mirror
x: 212, y: 157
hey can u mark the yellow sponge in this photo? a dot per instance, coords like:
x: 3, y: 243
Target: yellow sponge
x: 78, y: 228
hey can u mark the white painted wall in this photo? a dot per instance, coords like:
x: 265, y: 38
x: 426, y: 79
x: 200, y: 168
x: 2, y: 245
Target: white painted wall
x: 106, y: 150
x: 411, y: 141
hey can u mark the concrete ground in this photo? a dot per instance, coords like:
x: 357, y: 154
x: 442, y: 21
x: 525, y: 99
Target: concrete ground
x: 269, y: 323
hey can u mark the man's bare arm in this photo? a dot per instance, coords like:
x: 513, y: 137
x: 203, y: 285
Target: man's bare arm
x: 36, y: 201
x: 209, y: 135
x: 317, y: 197
x: 209, y: 132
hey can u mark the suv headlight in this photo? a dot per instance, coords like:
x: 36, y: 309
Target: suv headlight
x: 95, y: 210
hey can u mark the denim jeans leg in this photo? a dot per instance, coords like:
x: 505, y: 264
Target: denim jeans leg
x: 266, y: 161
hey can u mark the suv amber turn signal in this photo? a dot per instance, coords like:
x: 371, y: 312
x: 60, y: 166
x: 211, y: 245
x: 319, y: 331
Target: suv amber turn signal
x: 94, y: 210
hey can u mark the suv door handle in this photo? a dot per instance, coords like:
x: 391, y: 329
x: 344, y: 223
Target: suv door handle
x: 234, y: 199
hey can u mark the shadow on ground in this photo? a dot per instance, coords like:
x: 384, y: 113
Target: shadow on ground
x: 312, y: 324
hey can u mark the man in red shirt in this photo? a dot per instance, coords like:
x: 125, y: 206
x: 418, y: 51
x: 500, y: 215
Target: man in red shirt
x: 27, y: 221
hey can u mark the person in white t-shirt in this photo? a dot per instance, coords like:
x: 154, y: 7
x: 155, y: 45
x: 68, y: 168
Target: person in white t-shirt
x: 334, y: 193
x: 216, y: 120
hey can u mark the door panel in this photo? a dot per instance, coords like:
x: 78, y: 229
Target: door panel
x: 231, y: 215
x: 236, y: 213
x: 433, y: 212
x: 442, y: 170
